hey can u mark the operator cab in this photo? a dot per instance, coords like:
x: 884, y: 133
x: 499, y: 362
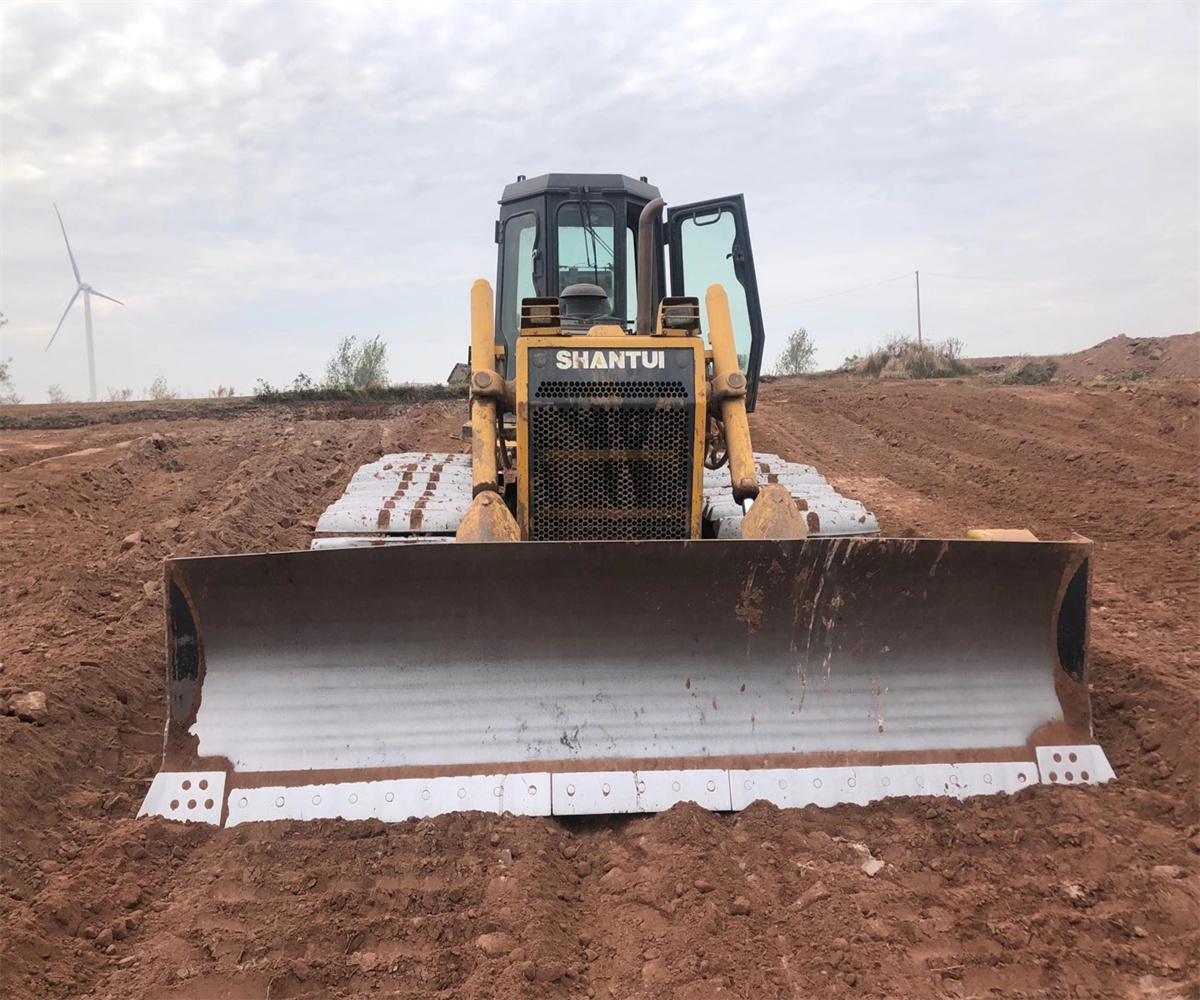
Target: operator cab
x: 575, y: 236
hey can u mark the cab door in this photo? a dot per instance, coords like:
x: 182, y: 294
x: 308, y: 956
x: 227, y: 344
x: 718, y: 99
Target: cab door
x: 710, y: 243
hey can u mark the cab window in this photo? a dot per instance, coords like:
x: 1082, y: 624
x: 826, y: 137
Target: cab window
x: 520, y: 245
x: 708, y: 243
x: 586, y: 234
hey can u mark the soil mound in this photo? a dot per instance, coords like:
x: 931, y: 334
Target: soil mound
x: 1118, y: 359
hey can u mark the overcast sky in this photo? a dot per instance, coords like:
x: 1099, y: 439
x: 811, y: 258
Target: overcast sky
x: 256, y: 181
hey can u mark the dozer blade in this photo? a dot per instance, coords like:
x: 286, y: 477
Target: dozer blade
x: 606, y: 677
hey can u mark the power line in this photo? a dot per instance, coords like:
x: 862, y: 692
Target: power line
x: 830, y: 295
x: 969, y: 277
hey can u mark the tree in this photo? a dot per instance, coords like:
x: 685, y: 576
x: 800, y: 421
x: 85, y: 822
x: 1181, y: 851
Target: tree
x: 357, y: 367
x: 119, y: 395
x: 8, y: 389
x: 798, y: 356
x: 57, y: 395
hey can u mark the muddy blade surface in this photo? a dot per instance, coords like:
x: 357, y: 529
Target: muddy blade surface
x: 417, y: 663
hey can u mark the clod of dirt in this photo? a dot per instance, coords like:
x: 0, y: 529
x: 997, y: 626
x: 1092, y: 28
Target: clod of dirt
x: 129, y: 541
x: 29, y: 707
x: 496, y: 944
x: 129, y: 893
x: 740, y: 907
x: 813, y: 894
x: 872, y: 867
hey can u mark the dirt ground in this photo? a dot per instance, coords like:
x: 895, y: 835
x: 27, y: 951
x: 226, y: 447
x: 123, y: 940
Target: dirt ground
x: 1054, y: 892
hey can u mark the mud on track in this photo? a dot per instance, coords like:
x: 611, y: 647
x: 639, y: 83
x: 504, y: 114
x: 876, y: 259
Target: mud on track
x: 1054, y: 892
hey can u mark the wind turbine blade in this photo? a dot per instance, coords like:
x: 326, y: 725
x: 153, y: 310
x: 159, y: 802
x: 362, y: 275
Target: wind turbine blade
x: 64, y: 316
x: 109, y: 297
x: 78, y: 280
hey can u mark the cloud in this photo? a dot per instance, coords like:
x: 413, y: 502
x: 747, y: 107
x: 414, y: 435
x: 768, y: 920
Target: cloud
x: 277, y: 175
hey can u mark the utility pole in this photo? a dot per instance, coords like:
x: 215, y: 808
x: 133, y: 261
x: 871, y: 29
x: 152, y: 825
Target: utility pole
x: 918, y: 274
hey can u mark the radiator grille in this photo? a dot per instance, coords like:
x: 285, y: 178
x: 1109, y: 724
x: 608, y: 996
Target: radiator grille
x: 623, y: 390
x: 610, y: 471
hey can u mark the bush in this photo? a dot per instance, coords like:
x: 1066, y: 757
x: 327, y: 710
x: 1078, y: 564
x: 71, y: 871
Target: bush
x: 902, y: 358
x: 57, y: 395
x: 798, y: 356
x: 119, y: 395
x: 221, y: 392
x: 159, y: 389
x: 357, y: 367
x: 1030, y: 371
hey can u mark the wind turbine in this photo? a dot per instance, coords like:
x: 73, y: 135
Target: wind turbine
x: 88, y: 292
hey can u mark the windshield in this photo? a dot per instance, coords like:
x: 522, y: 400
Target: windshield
x: 585, y: 247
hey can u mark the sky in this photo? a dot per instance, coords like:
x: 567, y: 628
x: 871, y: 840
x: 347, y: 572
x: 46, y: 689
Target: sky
x: 256, y: 181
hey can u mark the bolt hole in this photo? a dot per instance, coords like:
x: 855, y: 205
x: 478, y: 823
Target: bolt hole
x: 208, y: 803
x: 533, y: 789
x: 174, y: 803
x: 1058, y: 758
x: 1072, y: 757
x: 1054, y: 776
x: 242, y: 802
x: 425, y: 794
x: 279, y: 802
x: 187, y: 785
x: 203, y: 784
x: 1069, y: 776
x: 191, y: 803
x: 1021, y: 776
x: 1084, y: 775
x: 389, y: 797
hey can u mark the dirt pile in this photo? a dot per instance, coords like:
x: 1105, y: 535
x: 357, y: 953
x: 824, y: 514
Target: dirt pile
x: 1117, y: 359
x: 1053, y: 892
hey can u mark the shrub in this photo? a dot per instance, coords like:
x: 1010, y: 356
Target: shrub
x: 159, y: 389
x: 356, y: 366
x: 1030, y: 371
x: 902, y: 358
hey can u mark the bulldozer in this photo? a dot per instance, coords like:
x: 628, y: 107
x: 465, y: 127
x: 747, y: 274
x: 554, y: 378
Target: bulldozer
x: 612, y: 603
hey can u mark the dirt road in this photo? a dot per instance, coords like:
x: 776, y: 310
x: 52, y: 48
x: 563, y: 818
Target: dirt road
x: 1055, y: 892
